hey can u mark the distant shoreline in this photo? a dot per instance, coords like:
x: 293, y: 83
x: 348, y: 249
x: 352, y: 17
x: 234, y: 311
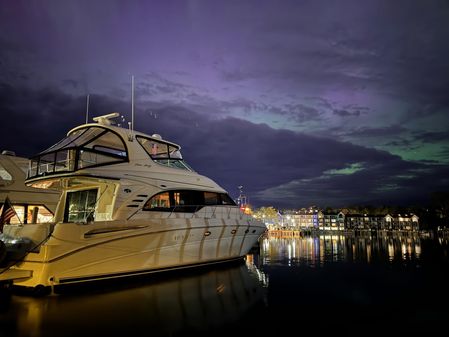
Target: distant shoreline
x: 372, y: 232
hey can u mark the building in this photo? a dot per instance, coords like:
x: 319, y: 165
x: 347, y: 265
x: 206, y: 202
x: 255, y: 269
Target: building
x: 304, y: 218
x: 309, y: 219
x: 332, y: 221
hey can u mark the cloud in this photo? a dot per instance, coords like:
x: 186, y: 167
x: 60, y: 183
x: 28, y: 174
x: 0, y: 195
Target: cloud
x: 346, y: 113
x: 274, y: 166
x: 384, y: 184
x: 392, y: 130
x: 433, y: 137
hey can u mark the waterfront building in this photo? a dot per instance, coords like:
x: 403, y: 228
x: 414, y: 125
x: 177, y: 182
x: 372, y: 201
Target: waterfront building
x: 305, y: 218
x: 407, y: 222
x: 311, y: 219
x: 364, y: 221
x: 332, y: 221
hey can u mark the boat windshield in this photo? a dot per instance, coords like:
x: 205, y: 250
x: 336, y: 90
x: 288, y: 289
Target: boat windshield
x: 163, y: 153
x: 86, y: 147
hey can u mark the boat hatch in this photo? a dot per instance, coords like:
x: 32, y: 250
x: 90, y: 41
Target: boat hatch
x: 85, y: 147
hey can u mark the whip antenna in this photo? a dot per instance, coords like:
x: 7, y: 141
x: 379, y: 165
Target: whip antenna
x: 87, y: 109
x: 132, y: 104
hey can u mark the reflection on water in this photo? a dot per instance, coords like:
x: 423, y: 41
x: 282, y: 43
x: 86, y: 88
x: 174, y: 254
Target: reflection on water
x: 362, y: 285
x: 200, y: 301
x: 358, y: 285
x: 320, y: 249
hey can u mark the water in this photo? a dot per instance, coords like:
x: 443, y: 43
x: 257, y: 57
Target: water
x: 322, y: 285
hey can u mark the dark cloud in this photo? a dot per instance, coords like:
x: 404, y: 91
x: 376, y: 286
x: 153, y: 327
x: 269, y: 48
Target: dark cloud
x: 403, y: 143
x: 392, y: 130
x: 230, y: 150
x: 433, y: 137
x: 393, y: 49
x: 36, y: 119
x: 300, y: 112
x: 394, y: 183
x: 346, y: 113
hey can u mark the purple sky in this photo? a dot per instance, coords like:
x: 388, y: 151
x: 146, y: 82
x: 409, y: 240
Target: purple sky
x: 329, y: 103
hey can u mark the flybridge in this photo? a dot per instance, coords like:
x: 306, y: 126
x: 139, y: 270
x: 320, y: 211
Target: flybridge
x: 85, y: 147
x: 94, y: 145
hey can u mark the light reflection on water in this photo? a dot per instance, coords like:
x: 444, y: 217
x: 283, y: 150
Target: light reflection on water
x: 363, y: 285
x: 201, y: 301
x: 321, y: 249
x: 359, y: 285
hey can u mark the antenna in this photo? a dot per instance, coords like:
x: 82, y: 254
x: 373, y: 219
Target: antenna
x: 87, y: 109
x: 132, y: 103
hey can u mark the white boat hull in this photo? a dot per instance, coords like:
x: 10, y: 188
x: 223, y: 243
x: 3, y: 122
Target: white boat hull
x: 108, y: 250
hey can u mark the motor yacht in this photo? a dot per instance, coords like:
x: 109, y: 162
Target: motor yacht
x: 19, y: 205
x: 129, y: 205
x: 30, y: 204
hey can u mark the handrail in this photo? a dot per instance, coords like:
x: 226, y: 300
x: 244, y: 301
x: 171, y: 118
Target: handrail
x: 200, y: 211
x: 206, y: 211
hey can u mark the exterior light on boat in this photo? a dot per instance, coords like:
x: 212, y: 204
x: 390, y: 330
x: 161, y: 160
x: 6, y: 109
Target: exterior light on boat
x: 43, y: 184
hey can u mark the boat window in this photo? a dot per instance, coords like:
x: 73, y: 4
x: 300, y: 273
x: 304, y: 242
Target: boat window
x: 211, y: 198
x: 226, y: 199
x: 115, y: 151
x: 163, y: 153
x: 80, y: 206
x: 92, y: 146
x: 38, y: 214
x: 42, y: 214
x: 108, y: 142
x: 90, y: 158
x: 4, y: 174
x: 160, y: 201
x: 67, y: 141
x: 186, y: 201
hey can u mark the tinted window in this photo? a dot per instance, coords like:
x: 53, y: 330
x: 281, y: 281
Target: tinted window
x: 226, y: 200
x: 211, y: 198
x: 186, y: 201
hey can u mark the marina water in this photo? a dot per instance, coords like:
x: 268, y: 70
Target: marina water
x: 349, y: 285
